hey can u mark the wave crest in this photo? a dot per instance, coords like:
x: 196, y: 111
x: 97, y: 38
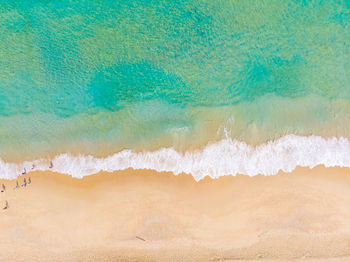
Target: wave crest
x: 226, y: 157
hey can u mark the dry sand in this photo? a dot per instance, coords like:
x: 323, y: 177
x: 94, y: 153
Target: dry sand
x: 147, y: 216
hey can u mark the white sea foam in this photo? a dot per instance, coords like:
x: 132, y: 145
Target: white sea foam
x: 226, y: 157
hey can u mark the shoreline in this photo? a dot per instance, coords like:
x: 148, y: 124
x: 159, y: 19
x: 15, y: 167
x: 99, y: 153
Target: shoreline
x: 303, y: 214
x: 226, y: 157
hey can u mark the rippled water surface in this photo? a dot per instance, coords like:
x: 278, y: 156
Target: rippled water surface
x: 96, y: 77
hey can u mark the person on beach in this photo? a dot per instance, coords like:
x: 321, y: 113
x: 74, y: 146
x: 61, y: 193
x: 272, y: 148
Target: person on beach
x: 33, y: 166
x: 24, y: 182
x: 3, y: 188
x: 24, y: 171
x: 51, y: 164
x: 16, y: 186
x: 6, y: 205
x: 29, y: 181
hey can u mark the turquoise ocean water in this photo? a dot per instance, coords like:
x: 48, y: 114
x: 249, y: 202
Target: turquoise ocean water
x: 98, y: 77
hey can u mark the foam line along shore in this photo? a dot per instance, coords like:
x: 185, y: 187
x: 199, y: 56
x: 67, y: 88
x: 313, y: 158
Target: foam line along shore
x: 227, y: 157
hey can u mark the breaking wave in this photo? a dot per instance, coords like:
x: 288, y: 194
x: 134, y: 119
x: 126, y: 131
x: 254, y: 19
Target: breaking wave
x: 226, y: 157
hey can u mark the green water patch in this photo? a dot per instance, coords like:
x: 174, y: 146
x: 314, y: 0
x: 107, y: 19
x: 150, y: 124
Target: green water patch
x: 200, y: 52
x: 126, y: 84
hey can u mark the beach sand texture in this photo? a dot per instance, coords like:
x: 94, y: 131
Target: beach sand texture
x: 147, y: 216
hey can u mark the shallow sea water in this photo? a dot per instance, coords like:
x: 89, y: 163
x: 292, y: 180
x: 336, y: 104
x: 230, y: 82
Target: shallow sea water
x: 98, y: 77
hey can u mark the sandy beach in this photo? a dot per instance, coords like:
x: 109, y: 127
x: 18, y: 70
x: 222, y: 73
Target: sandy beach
x: 148, y: 216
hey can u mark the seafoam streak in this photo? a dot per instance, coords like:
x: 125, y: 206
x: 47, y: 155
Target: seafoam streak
x: 226, y: 157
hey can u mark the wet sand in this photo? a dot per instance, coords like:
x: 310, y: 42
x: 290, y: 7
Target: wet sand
x: 148, y: 216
